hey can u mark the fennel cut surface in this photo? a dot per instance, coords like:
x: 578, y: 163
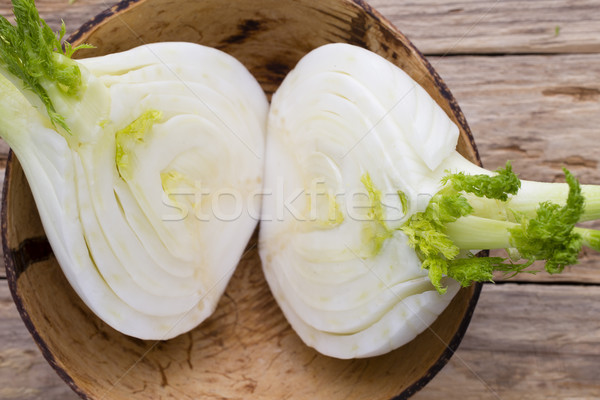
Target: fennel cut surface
x: 129, y: 195
x: 347, y: 281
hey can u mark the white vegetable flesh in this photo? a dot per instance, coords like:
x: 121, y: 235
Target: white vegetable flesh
x: 150, y: 253
x: 342, y: 113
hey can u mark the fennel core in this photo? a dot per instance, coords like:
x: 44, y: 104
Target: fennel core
x: 127, y: 138
x: 473, y: 212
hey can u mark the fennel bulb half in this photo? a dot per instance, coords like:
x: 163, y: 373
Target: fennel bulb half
x: 339, y: 142
x: 133, y: 160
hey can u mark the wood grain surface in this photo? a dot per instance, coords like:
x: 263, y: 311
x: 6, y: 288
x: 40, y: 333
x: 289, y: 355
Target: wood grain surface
x: 527, y: 76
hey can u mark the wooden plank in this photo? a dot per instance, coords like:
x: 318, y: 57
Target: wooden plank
x: 526, y: 342
x: 55, y: 11
x: 494, y: 26
x: 541, y: 112
x: 441, y: 26
x: 24, y: 373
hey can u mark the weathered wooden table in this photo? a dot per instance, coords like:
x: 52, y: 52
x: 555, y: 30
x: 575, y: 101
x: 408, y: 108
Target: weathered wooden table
x: 527, y: 76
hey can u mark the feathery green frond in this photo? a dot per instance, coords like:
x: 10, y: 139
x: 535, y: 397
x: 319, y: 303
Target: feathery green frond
x: 32, y: 52
x: 493, y: 187
x: 550, y: 235
x: 426, y: 233
x: 474, y: 269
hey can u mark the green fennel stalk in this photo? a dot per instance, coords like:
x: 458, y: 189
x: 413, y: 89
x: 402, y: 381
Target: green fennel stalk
x: 450, y: 224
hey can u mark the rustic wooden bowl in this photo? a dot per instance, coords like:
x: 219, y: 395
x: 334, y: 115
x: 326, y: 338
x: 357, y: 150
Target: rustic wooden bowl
x: 246, y: 349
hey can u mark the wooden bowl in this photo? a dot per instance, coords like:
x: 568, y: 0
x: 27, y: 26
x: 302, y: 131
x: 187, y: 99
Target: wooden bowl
x: 246, y: 349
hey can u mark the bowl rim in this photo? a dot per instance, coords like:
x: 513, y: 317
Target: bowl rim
x: 12, y: 274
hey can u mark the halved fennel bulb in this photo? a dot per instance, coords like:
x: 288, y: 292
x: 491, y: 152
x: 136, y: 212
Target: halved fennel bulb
x: 354, y: 148
x: 141, y: 200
